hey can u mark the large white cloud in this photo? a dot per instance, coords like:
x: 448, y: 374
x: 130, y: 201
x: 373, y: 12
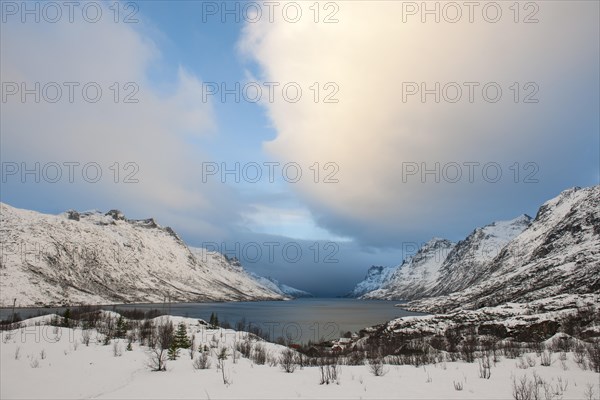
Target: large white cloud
x: 370, y: 132
x: 155, y: 133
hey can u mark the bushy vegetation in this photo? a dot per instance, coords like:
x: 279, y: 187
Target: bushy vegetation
x: 485, y: 347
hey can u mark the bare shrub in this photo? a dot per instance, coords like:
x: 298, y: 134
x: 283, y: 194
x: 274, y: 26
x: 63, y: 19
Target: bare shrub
x: 259, y: 355
x: 485, y: 370
x: 160, y: 343
x: 330, y: 371
x: 564, y: 365
x: 546, y: 358
x: 468, y: 348
x: 288, y: 361
x: 458, y: 386
x: 453, y: 339
x: 356, y: 358
x: 530, y: 361
x: 538, y: 347
x: 523, y: 389
x: 222, y: 356
x: 579, y: 355
x: 147, y: 333
x: 43, y: 354
x: 511, y: 349
x: 594, y: 356
x: 85, y: 336
x: 561, y: 386
x: 165, y: 334
x: 244, y: 347
x: 192, y: 348
x: 34, y: 363
x: 377, y: 367
x: 18, y: 353
x: 589, y: 393
x: 428, y: 380
x: 302, y: 360
x: 521, y: 363
x: 6, y: 338
x: 272, y: 360
x: 157, y: 360
x: 202, y: 361
x: 117, y: 349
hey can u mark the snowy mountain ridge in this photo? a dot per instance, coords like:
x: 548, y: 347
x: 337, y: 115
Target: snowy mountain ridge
x: 96, y: 258
x: 456, y: 267
x: 376, y: 276
x: 281, y: 288
x: 516, y: 260
x: 417, y: 274
x: 559, y: 253
x: 468, y: 261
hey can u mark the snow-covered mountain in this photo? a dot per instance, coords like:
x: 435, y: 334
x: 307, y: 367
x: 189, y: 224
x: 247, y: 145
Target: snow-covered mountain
x: 469, y: 261
x: 376, y: 276
x: 97, y: 258
x: 558, y: 253
x: 281, y: 288
x: 415, y: 275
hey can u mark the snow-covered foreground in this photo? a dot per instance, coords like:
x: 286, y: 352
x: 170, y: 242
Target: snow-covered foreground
x: 42, y: 361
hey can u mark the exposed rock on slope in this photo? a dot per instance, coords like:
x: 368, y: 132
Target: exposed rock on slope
x: 469, y: 261
x: 416, y: 275
x: 558, y: 253
x: 281, y: 288
x: 375, y: 278
x: 100, y: 258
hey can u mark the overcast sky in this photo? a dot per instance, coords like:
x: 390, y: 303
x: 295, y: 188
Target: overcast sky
x: 351, y: 131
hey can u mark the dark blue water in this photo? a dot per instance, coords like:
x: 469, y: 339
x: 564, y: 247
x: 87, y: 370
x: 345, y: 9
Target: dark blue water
x: 299, y: 320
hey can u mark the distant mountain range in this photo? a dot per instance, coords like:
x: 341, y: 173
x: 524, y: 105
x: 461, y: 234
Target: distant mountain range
x: 105, y: 258
x: 417, y: 274
x: 507, y: 261
x: 281, y: 288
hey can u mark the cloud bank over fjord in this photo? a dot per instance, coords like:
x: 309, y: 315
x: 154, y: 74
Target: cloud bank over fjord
x: 373, y: 133
x: 140, y: 121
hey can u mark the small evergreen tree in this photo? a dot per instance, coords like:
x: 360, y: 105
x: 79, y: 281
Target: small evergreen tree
x: 173, y: 352
x: 213, y: 320
x: 181, y: 337
x: 67, y: 318
x: 55, y: 321
x: 121, y: 327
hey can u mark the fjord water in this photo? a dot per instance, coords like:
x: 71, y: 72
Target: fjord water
x: 300, y: 320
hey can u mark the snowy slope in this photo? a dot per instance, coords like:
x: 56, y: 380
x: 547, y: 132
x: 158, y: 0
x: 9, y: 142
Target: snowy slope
x: 376, y: 276
x: 416, y: 275
x: 558, y: 253
x: 60, y: 366
x: 520, y: 321
x: 105, y: 258
x: 469, y: 261
x: 281, y: 288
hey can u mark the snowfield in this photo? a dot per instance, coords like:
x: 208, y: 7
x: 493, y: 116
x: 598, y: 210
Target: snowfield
x: 42, y: 361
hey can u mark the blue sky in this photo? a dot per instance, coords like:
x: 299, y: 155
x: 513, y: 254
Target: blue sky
x: 371, y: 140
